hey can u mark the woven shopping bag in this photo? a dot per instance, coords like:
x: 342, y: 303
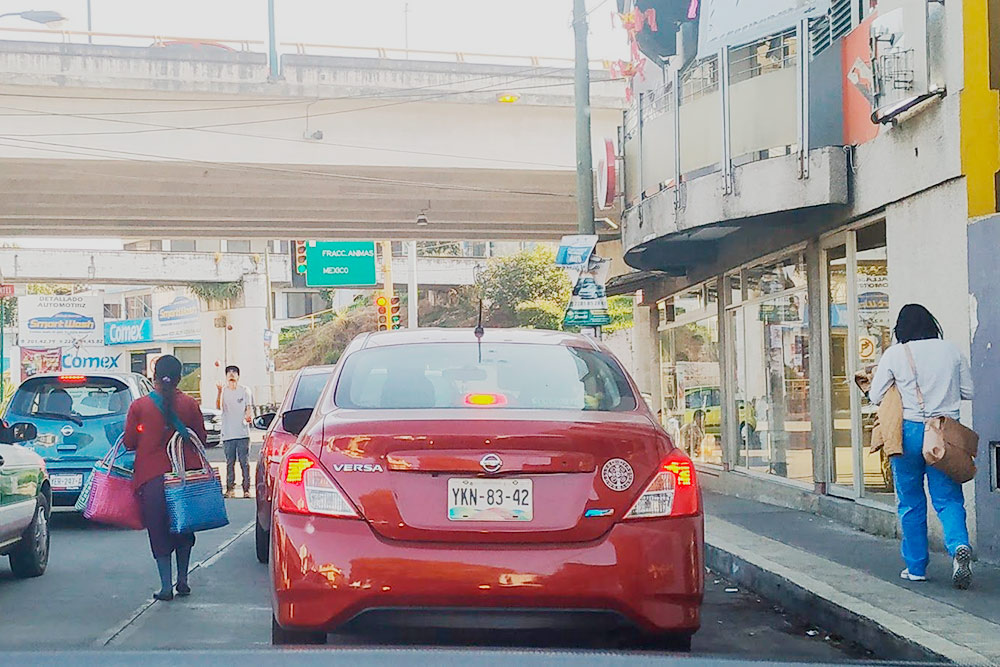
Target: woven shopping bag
x: 194, y: 497
x: 110, y: 497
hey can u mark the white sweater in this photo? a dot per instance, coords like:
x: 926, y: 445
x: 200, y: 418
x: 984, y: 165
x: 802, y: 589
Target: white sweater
x: 943, y: 373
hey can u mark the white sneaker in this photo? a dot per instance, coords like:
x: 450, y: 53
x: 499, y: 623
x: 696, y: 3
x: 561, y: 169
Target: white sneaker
x: 961, y: 569
x: 905, y: 574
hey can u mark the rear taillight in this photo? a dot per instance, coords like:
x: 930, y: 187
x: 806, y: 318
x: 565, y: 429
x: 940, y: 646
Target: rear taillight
x: 305, y: 488
x: 276, y: 446
x: 673, y: 491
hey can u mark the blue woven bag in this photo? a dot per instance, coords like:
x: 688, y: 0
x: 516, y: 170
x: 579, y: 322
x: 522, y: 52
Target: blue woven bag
x: 194, y: 497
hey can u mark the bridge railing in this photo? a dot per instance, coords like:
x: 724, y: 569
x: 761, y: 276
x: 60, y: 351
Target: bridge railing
x: 83, y: 37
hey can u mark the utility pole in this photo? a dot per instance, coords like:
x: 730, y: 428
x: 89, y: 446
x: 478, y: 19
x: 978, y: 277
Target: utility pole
x: 406, y: 29
x: 272, y: 43
x: 584, y: 154
x: 411, y: 288
x: 90, y: 24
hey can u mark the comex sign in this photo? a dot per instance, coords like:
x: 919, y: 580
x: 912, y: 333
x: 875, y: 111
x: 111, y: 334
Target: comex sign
x: 93, y: 360
x: 128, y: 331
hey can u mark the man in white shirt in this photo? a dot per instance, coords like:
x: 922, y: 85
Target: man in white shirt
x: 235, y: 402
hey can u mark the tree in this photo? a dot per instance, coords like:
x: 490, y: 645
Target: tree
x: 528, y: 276
x: 620, y: 311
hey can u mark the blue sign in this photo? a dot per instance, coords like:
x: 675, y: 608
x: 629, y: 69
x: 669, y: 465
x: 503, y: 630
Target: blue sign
x: 575, y: 251
x: 121, y: 332
x: 64, y: 321
x: 83, y: 360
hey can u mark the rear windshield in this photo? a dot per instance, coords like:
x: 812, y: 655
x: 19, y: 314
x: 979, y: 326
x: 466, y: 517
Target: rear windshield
x: 308, y: 391
x: 495, y: 376
x: 53, y: 397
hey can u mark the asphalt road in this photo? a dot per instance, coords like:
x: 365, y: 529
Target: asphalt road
x: 95, y: 598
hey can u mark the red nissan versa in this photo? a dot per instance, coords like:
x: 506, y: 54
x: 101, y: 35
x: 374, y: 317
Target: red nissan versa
x: 515, y: 480
x: 300, y: 399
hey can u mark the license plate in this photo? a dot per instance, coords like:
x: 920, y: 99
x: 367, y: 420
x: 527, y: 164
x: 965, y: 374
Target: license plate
x: 66, y: 482
x: 490, y: 499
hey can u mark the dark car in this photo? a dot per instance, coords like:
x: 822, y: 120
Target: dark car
x: 78, y: 419
x: 298, y: 402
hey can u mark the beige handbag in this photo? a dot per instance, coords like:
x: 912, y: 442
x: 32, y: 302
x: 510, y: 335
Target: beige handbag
x: 949, y: 446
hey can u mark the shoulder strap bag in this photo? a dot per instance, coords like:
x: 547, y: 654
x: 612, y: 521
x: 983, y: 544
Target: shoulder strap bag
x: 949, y: 445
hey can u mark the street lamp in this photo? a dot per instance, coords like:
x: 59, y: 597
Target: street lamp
x: 45, y: 17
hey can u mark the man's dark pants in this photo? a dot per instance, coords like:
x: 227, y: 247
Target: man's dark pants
x: 238, y: 448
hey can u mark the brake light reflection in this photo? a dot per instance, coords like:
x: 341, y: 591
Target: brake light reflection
x: 485, y: 400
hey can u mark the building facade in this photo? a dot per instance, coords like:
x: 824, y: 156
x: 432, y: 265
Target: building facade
x: 784, y: 197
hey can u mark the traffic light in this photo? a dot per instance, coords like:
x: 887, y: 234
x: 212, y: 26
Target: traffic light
x: 394, y: 312
x: 300, y: 257
x: 383, y: 312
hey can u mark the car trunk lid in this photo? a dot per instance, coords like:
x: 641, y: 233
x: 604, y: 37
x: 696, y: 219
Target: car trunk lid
x: 415, y: 475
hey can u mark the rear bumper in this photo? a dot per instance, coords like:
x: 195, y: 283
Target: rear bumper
x: 327, y: 573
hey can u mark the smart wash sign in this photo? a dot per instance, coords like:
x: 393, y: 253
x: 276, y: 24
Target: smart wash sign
x: 124, y: 332
x: 58, y: 320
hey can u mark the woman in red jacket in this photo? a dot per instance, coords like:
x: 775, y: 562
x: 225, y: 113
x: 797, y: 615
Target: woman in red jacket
x: 147, y: 432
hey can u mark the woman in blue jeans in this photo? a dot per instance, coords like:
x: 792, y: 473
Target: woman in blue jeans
x: 944, y: 379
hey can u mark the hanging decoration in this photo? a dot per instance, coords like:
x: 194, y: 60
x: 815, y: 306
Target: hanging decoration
x: 634, y: 22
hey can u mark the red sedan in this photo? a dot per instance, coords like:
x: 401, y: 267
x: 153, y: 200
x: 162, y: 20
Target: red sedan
x: 512, y: 480
x: 296, y: 408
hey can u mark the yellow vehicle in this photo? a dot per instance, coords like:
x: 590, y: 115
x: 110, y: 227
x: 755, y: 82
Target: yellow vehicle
x: 708, y: 399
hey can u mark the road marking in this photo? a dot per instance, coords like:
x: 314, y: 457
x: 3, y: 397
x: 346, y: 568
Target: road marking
x: 113, y: 633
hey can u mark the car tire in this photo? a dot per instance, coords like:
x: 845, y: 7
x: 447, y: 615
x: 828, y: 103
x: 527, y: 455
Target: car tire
x: 282, y: 637
x: 31, y: 555
x: 675, y: 642
x: 262, y: 540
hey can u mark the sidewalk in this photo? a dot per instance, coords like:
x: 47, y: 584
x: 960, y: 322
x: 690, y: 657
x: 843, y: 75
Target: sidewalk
x: 848, y: 581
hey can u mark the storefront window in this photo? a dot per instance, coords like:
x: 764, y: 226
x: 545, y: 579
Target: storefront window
x: 771, y: 345
x: 691, y: 405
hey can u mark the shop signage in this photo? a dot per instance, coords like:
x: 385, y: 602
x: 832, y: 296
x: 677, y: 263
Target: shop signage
x: 122, y: 332
x: 340, y: 263
x: 733, y: 22
x: 91, y: 359
x: 588, y: 307
x: 35, y: 361
x: 50, y: 320
x: 575, y: 251
x: 177, y: 316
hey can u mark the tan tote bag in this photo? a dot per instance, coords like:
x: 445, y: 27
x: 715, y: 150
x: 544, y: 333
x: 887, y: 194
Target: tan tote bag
x: 949, y: 446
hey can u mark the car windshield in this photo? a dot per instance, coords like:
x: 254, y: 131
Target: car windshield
x: 71, y: 397
x: 309, y: 388
x: 468, y: 375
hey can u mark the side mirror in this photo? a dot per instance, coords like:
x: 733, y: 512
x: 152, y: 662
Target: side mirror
x: 294, y: 421
x: 21, y: 432
x: 263, y: 422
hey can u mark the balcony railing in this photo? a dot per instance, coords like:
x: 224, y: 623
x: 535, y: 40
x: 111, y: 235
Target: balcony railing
x: 741, y: 105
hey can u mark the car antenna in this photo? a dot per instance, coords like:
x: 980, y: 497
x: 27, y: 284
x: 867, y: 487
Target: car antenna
x: 479, y: 331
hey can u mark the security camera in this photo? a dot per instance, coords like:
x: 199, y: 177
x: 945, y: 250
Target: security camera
x: 421, y: 220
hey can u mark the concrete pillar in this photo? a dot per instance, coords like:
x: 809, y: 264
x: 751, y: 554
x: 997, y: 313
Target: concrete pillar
x: 646, y: 352
x: 240, y: 342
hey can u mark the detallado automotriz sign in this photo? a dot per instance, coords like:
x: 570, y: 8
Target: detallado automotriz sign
x: 51, y: 320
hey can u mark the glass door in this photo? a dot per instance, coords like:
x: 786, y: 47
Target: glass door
x: 856, y: 289
x: 839, y: 294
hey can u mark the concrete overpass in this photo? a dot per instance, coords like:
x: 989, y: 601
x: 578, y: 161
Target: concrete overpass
x: 134, y: 141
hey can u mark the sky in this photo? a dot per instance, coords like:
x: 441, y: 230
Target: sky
x: 506, y: 27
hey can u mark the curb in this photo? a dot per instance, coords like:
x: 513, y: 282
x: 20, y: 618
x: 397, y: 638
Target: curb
x: 824, y: 612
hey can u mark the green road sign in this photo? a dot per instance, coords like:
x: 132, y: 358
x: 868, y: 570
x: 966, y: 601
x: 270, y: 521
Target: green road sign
x: 340, y: 263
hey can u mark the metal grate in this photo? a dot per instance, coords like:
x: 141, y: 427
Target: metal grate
x: 826, y: 30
